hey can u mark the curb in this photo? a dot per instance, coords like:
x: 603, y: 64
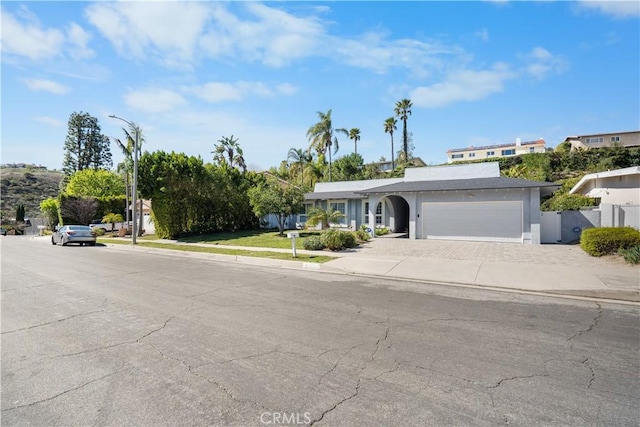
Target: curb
x: 326, y: 268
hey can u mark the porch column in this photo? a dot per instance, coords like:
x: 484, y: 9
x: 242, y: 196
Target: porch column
x: 411, y: 199
x: 535, y: 216
x: 373, y: 202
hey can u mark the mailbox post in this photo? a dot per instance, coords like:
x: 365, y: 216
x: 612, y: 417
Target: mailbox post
x: 292, y: 235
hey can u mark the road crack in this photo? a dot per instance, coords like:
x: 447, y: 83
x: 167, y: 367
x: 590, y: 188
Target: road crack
x: 594, y: 323
x: 64, y: 319
x: 66, y: 391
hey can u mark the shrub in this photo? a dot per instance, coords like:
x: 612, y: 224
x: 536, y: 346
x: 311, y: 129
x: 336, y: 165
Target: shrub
x: 608, y: 240
x: 362, y: 236
x: 313, y: 243
x: 382, y: 231
x: 99, y: 231
x: 337, y: 240
x: 631, y: 255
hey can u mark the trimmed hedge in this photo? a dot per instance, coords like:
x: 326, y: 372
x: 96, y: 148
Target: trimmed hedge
x: 337, y: 240
x: 608, y: 240
x: 313, y: 243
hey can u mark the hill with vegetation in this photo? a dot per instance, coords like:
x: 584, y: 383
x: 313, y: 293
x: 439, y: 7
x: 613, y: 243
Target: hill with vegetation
x: 27, y: 185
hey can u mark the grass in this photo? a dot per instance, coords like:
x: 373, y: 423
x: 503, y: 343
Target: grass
x: 225, y: 251
x: 248, y: 238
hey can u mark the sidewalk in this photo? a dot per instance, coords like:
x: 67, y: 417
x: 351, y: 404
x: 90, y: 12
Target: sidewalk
x: 558, y: 269
x: 552, y: 269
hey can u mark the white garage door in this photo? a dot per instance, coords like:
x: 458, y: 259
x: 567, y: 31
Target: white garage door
x: 481, y: 221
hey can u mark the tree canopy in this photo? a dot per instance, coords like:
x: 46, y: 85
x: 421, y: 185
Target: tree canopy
x: 85, y: 146
x: 95, y: 183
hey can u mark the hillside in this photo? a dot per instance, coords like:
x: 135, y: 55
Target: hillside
x: 27, y: 186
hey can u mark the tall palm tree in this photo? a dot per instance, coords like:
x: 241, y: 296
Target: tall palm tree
x: 301, y: 157
x: 128, y: 152
x: 389, y: 127
x: 403, y: 111
x: 322, y: 138
x: 228, y: 151
x: 353, y: 134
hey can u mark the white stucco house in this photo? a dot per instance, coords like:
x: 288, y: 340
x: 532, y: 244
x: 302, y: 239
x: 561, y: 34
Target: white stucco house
x: 617, y: 187
x: 453, y: 202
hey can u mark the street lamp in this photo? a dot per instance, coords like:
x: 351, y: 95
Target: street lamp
x: 134, y: 232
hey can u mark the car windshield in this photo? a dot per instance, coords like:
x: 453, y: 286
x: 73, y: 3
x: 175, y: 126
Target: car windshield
x: 79, y: 228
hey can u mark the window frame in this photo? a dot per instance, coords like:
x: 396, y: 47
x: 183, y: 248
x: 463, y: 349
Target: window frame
x: 343, y: 220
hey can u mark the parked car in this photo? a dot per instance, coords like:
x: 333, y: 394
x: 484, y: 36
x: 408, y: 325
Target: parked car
x: 3, y: 231
x: 82, y: 234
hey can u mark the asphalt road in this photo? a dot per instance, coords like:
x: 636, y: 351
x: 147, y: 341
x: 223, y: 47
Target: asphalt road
x: 109, y: 336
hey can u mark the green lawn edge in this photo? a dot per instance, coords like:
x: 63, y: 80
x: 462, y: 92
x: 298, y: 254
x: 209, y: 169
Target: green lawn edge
x: 224, y: 251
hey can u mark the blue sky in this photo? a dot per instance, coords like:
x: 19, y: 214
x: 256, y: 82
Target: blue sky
x: 189, y: 73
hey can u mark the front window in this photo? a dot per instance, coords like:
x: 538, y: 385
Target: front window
x: 457, y: 156
x: 341, y: 207
x: 378, y: 214
x: 306, y: 207
x: 509, y: 152
x: 491, y: 153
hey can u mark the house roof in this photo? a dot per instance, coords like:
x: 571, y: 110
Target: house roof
x: 487, y: 147
x: 607, y: 174
x: 333, y: 195
x: 458, y: 184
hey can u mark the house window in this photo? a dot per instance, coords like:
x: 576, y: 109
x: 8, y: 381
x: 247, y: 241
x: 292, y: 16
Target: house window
x: 615, y: 139
x: 306, y: 208
x: 593, y: 140
x: 472, y: 154
x: 491, y: 153
x: 532, y: 149
x: 508, y: 152
x: 457, y: 156
x: 340, y: 206
x: 379, y: 214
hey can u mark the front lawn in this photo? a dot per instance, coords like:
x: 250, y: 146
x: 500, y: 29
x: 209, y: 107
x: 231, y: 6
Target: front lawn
x: 226, y: 251
x: 251, y: 238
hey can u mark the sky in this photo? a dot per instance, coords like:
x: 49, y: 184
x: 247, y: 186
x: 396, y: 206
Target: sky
x: 189, y: 73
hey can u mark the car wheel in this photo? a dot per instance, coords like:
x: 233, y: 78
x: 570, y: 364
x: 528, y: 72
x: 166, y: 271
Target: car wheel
x: 53, y: 242
x: 63, y: 242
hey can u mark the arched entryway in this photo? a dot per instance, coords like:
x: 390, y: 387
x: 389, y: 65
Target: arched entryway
x: 398, y: 217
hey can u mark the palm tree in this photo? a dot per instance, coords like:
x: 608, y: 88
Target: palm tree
x: 353, y: 134
x: 127, y: 150
x: 229, y: 152
x: 301, y: 157
x: 403, y: 111
x: 322, y: 138
x: 389, y: 127
x: 326, y: 217
x: 112, y: 218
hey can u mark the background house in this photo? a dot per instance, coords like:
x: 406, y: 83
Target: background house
x: 501, y: 150
x: 585, y: 142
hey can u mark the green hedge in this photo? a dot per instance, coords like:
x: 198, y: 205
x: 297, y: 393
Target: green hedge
x: 313, y: 243
x: 608, y: 240
x: 337, y: 240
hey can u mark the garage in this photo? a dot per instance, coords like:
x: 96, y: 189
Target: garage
x: 498, y: 221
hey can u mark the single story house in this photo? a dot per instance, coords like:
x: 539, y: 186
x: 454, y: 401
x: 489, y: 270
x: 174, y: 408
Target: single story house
x: 453, y: 202
x: 617, y: 187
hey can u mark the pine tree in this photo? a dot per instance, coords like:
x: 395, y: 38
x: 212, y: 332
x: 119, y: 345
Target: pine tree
x: 85, y: 147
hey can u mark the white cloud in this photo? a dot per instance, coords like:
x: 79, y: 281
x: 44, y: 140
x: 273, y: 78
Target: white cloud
x: 541, y: 62
x: 37, y: 85
x: 79, y: 39
x: 463, y: 85
x: 271, y: 36
x: 153, y: 100
x: 483, y: 34
x: 615, y: 8
x: 49, y: 121
x: 138, y: 29
x: 29, y: 39
x: 220, y: 91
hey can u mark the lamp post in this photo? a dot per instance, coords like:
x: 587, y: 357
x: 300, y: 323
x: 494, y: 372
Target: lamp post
x: 134, y: 195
